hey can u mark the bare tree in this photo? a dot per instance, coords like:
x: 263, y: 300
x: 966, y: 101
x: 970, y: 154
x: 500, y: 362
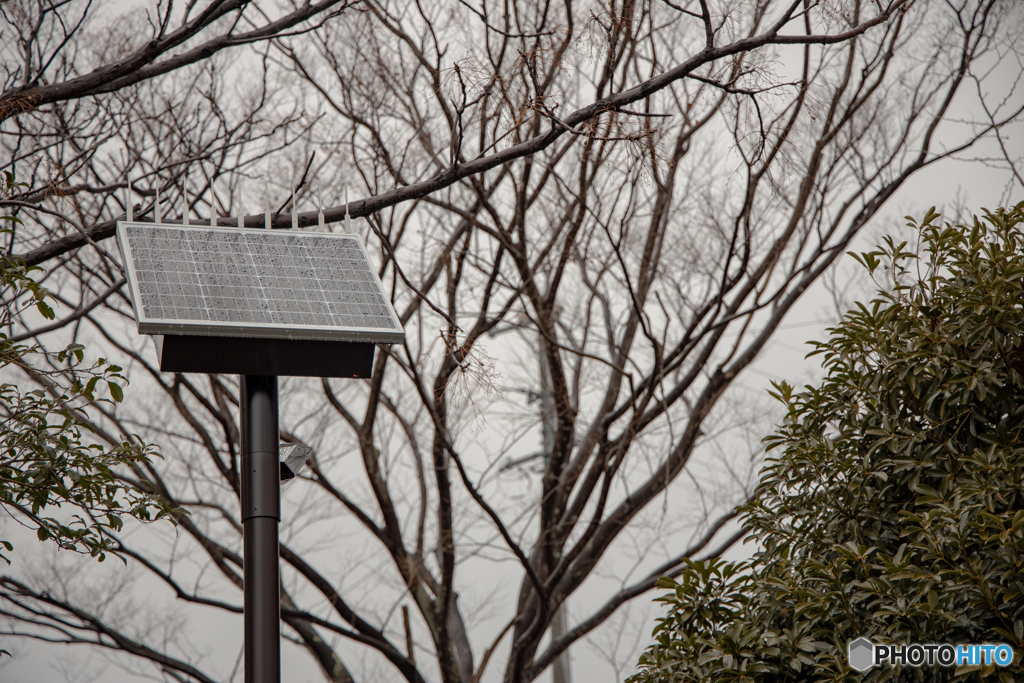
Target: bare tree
x: 637, y: 193
x: 38, y: 69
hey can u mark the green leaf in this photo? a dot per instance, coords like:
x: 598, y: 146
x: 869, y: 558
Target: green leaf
x: 90, y: 387
x: 115, y: 391
x: 44, y: 310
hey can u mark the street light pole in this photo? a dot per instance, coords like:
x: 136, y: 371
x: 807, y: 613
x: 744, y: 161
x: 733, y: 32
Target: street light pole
x: 562, y: 666
x: 261, y: 513
x: 258, y: 348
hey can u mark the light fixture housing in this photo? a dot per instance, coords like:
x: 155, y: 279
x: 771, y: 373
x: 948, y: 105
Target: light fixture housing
x: 294, y: 457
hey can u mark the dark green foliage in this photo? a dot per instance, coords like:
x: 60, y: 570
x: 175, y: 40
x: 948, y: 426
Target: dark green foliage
x: 47, y: 461
x: 892, y: 503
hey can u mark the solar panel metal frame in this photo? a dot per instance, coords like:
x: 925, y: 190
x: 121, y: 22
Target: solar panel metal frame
x: 179, y: 326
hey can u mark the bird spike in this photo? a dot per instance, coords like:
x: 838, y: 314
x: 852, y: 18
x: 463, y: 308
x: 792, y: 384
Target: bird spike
x: 266, y: 212
x: 157, y: 216
x: 348, y: 214
x: 184, y: 209
x: 295, y: 216
x: 320, y: 214
x: 129, y: 212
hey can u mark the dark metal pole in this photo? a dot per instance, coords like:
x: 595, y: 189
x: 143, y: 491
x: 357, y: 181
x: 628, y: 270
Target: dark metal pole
x: 261, y: 512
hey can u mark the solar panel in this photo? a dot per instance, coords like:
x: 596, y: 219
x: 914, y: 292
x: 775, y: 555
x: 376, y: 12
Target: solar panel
x: 239, y: 282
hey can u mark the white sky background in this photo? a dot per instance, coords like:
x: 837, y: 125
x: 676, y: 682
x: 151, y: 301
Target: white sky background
x: 953, y: 186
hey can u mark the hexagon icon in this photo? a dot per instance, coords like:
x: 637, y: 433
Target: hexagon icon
x: 862, y: 654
